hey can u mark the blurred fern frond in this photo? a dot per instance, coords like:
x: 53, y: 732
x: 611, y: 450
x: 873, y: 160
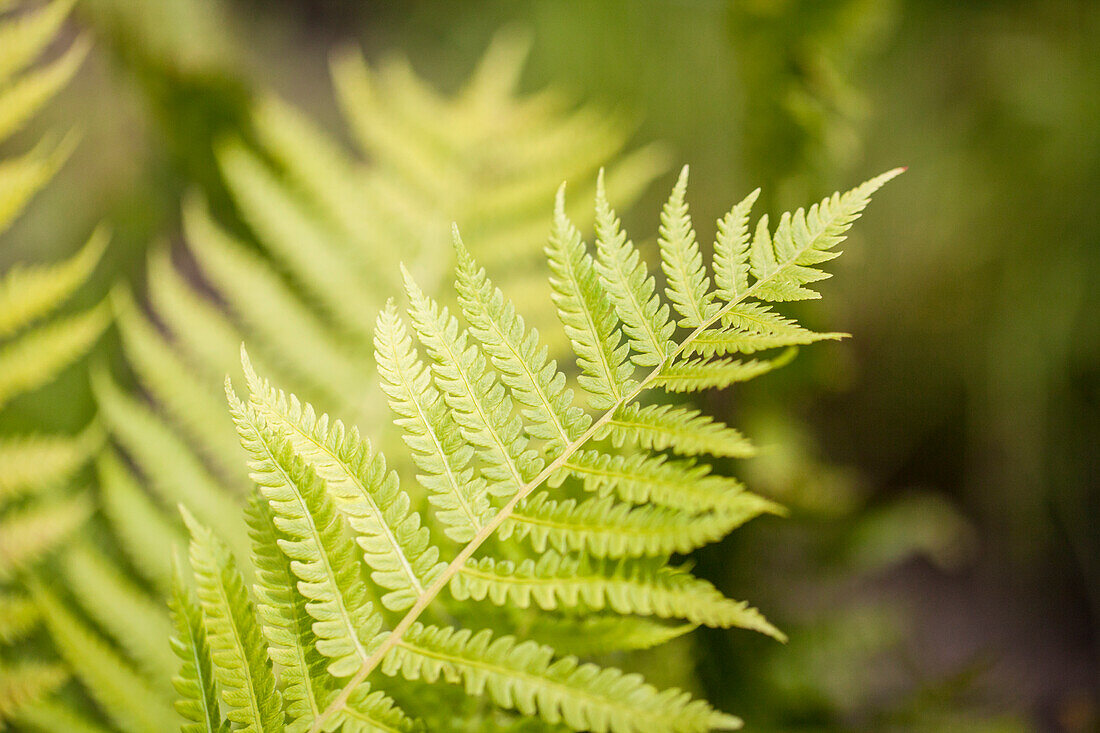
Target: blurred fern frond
x: 39, y: 509
x: 352, y: 585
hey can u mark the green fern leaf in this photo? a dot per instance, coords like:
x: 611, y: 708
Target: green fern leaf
x: 642, y: 479
x: 587, y: 314
x: 241, y: 667
x: 517, y: 356
x: 806, y: 238
x: 524, y: 677
x: 286, y: 623
x: 479, y: 404
x: 631, y: 287
x: 37, y: 357
x: 686, y: 431
x: 321, y: 559
x: 395, y: 546
x: 731, y: 250
x: 688, y: 285
x: 457, y: 493
x: 121, y: 693
x: 647, y: 588
x: 603, y: 527
x: 198, y: 701
x: 693, y: 375
x: 28, y: 293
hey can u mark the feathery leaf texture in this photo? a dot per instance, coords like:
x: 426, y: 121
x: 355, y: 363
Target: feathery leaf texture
x: 198, y: 693
x: 304, y: 199
x: 241, y: 667
x: 493, y: 433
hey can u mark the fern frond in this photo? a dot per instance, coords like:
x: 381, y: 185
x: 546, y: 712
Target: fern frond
x: 684, y: 430
x: 457, y: 493
x: 288, y: 627
x: 524, y: 677
x: 587, y: 314
x: 198, y: 701
x: 132, y: 618
x: 643, y: 479
x: 395, y: 546
x: 784, y: 264
x: 604, y: 527
x: 696, y: 374
x: 720, y: 342
x: 30, y: 292
x: 145, y: 535
x: 22, y: 684
x: 322, y: 560
x: 731, y: 246
x: 33, y: 463
x: 18, y: 616
x: 479, y: 404
x: 645, y: 587
x: 625, y: 278
x: 243, y: 672
x: 29, y: 533
x: 37, y: 357
x: 610, y: 551
x: 688, y: 284
x: 122, y: 694
x: 286, y: 623
x: 517, y: 356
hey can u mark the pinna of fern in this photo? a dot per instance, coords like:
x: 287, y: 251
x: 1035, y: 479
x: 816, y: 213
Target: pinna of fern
x: 517, y: 456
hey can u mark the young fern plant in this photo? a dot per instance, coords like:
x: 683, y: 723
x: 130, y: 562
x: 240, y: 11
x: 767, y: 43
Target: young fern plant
x: 560, y: 510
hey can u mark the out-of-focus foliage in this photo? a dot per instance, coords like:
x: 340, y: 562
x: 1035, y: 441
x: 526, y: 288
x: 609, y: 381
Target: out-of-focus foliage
x: 802, y: 114
x: 40, y: 506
